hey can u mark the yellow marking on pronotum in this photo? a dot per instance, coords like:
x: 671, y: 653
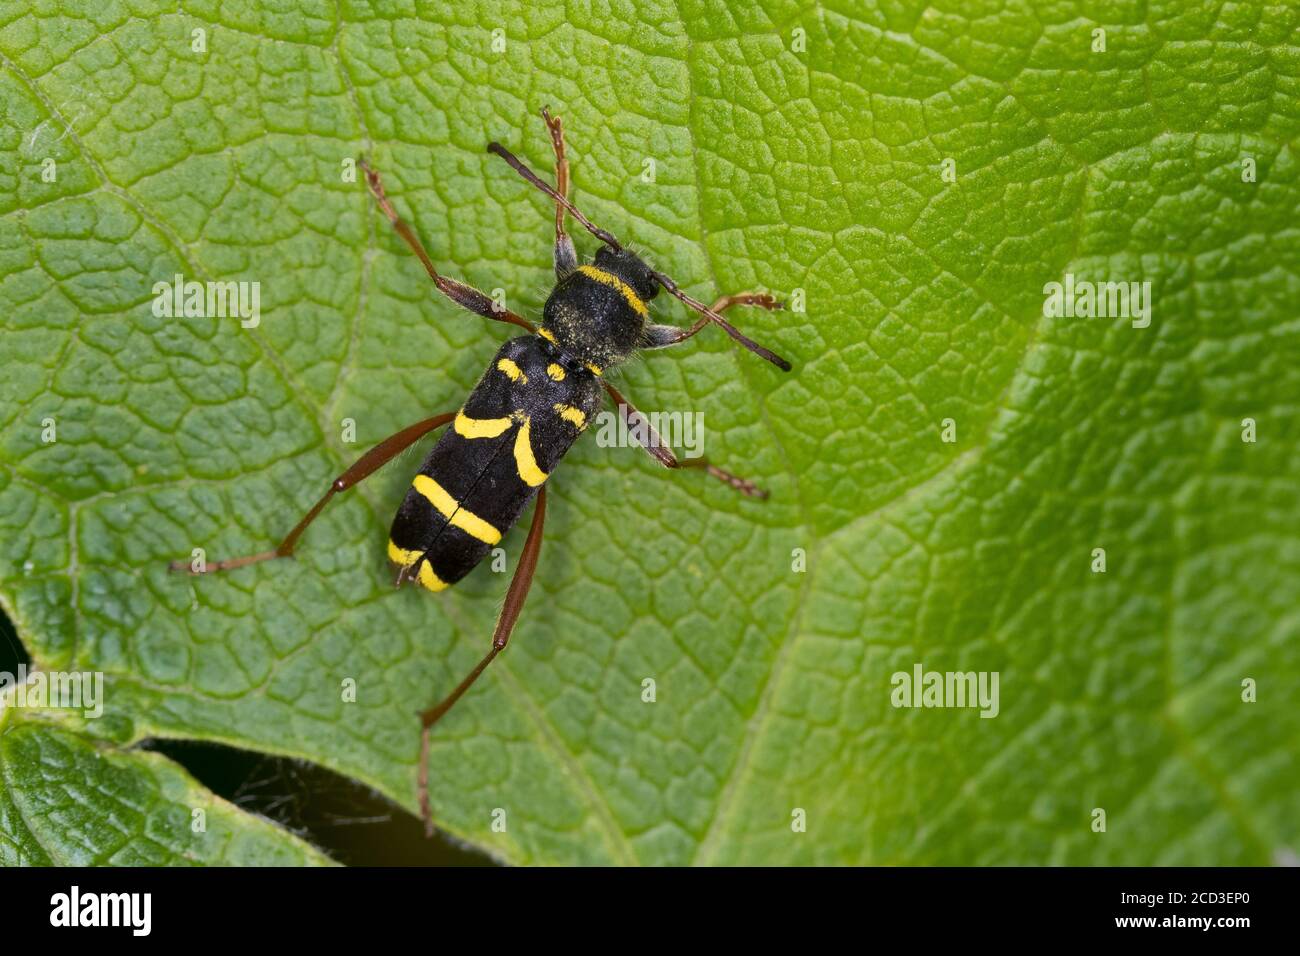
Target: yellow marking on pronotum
x: 450, y: 508
x: 555, y: 371
x: 514, y: 371
x: 524, y: 460
x: 572, y: 415
x: 546, y: 334
x: 467, y: 427
x: 405, y: 558
x: 595, y: 370
x: 614, y: 282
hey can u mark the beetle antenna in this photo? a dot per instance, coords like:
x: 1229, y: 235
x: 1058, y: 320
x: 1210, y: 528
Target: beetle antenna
x: 608, y: 238
x: 517, y: 165
x: 764, y: 353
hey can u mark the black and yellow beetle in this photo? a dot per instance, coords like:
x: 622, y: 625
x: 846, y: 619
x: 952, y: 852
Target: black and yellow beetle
x: 537, y: 396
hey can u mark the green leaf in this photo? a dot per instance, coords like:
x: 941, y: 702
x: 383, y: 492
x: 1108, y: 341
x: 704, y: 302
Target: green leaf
x: 813, y: 165
x: 66, y: 801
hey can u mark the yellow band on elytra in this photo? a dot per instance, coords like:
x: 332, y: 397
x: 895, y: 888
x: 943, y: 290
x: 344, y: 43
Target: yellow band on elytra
x: 467, y: 427
x: 515, y: 373
x: 525, y: 463
x: 430, y: 580
x: 426, y: 575
x: 401, y: 555
x: 572, y: 415
x: 450, y: 508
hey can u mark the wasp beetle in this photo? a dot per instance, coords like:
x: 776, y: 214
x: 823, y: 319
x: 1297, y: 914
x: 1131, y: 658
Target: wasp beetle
x: 539, y: 393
